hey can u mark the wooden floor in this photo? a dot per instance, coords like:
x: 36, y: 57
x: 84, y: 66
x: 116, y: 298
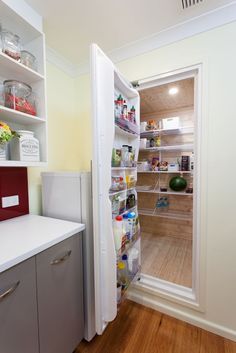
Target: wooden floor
x: 138, y: 329
x: 167, y: 258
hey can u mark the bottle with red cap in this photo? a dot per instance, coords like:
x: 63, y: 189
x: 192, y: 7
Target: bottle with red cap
x: 118, y: 232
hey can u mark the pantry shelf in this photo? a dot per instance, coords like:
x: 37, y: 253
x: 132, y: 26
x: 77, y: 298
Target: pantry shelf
x: 186, y: 147
x: 153, y: 191
x: 22, y: 164
x: 14, y: 116
x: 170, y: 215
x: 165, y: 172
x: 180, y: 131
x: 14, y: 70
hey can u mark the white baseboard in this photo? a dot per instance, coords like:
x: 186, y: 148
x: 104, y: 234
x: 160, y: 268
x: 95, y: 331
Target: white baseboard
x: 154, y: 303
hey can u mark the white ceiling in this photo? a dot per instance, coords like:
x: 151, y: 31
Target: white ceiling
x: 71, y: 25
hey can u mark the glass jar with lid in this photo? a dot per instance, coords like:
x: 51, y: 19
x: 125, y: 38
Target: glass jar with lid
x: 10, y: 44
x: 25, y: 147
x: 18, y: 96
x: 28, y: 59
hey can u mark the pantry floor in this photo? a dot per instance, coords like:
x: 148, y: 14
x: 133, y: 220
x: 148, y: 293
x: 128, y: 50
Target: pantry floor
x: 138, y: 329
x: 167, y: 258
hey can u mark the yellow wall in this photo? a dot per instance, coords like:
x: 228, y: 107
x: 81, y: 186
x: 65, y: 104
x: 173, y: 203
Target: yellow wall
x: 64, y: 132
x: 70, y: 148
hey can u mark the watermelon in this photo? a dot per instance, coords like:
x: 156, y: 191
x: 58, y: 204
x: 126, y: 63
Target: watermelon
x: 178, y: 183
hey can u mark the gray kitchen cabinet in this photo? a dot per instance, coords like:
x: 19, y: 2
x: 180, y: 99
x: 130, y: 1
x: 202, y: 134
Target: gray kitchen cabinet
x: 18, y: 309
x: 60, y: 296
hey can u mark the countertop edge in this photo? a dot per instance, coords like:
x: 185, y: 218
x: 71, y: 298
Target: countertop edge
x: 38, y: 249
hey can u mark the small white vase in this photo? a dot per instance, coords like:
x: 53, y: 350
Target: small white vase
x: 3, y: 152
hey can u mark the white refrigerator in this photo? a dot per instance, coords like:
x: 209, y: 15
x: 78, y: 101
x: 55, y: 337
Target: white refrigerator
x: 116, y: 122
x: 116, y: 128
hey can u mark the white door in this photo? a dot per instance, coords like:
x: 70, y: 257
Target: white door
x: 104, y: 80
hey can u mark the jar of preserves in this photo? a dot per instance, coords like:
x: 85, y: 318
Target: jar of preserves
x: 18, y: 96
x: 10, y: 44
x: 25, y: 147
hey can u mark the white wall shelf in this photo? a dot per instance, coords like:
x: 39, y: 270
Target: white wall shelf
x: 14, y: 70
x: 32, y: 40
x: 14, y: 116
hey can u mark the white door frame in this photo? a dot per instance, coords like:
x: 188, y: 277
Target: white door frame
x: 190, y: 297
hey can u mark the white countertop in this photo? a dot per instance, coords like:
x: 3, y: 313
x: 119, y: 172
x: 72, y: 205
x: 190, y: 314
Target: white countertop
x: 26, y: 236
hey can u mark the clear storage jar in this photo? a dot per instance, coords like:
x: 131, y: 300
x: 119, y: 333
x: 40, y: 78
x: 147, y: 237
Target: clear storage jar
x: 18, y: 96
x: 10, y: 44
x: 25, y: 147
x: 28, y: 60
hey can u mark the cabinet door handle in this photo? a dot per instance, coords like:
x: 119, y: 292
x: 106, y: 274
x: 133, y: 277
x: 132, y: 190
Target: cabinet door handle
x: 61, y: 259
x: 9, y: 291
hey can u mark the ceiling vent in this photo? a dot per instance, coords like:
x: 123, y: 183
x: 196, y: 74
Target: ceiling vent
x: 189, y: 3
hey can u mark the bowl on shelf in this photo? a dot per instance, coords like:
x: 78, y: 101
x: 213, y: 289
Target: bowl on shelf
x: 28, y: 59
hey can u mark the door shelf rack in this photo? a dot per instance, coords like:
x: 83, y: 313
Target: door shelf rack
x: 128, y: 245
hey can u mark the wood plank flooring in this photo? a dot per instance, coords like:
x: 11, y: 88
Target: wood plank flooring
x: 138, y: 329
x: 167, y: 258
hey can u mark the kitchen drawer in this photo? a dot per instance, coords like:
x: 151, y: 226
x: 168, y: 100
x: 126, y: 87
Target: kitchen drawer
x: 18, y: 309
x: 60, y: 296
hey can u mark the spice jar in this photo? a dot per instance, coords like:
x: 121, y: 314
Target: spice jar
x: 28, y: 59
x: 25, y: 147
x: 18, y: 96
x: 10, y: 44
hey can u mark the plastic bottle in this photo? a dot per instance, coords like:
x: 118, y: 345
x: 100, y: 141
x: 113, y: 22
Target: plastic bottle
x: 120, y: 105
x: 126, y: 228
x: 122, y: 273
x: 133, y: 261
x: 118, y: 232
x: 191, y: 163
x: 125, y: 261
x: 131, y: 224
x: 125, y: 110
x: 133, y: 115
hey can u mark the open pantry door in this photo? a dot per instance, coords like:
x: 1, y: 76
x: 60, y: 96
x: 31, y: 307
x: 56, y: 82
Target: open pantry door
x: 106, y: 82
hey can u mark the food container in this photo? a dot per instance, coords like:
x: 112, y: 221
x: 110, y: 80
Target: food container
x: 117, y: 183
x: 170, y: 123
x: 28, y: 60
x: 143, y: 126
x: 143, y: 143
x: 10, y: 44
x: 18, y: 96
x: 143, y: 166
x: 173, y: 167
x: 25, y: 148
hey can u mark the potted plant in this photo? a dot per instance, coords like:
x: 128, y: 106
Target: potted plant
x: 6, y: 134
